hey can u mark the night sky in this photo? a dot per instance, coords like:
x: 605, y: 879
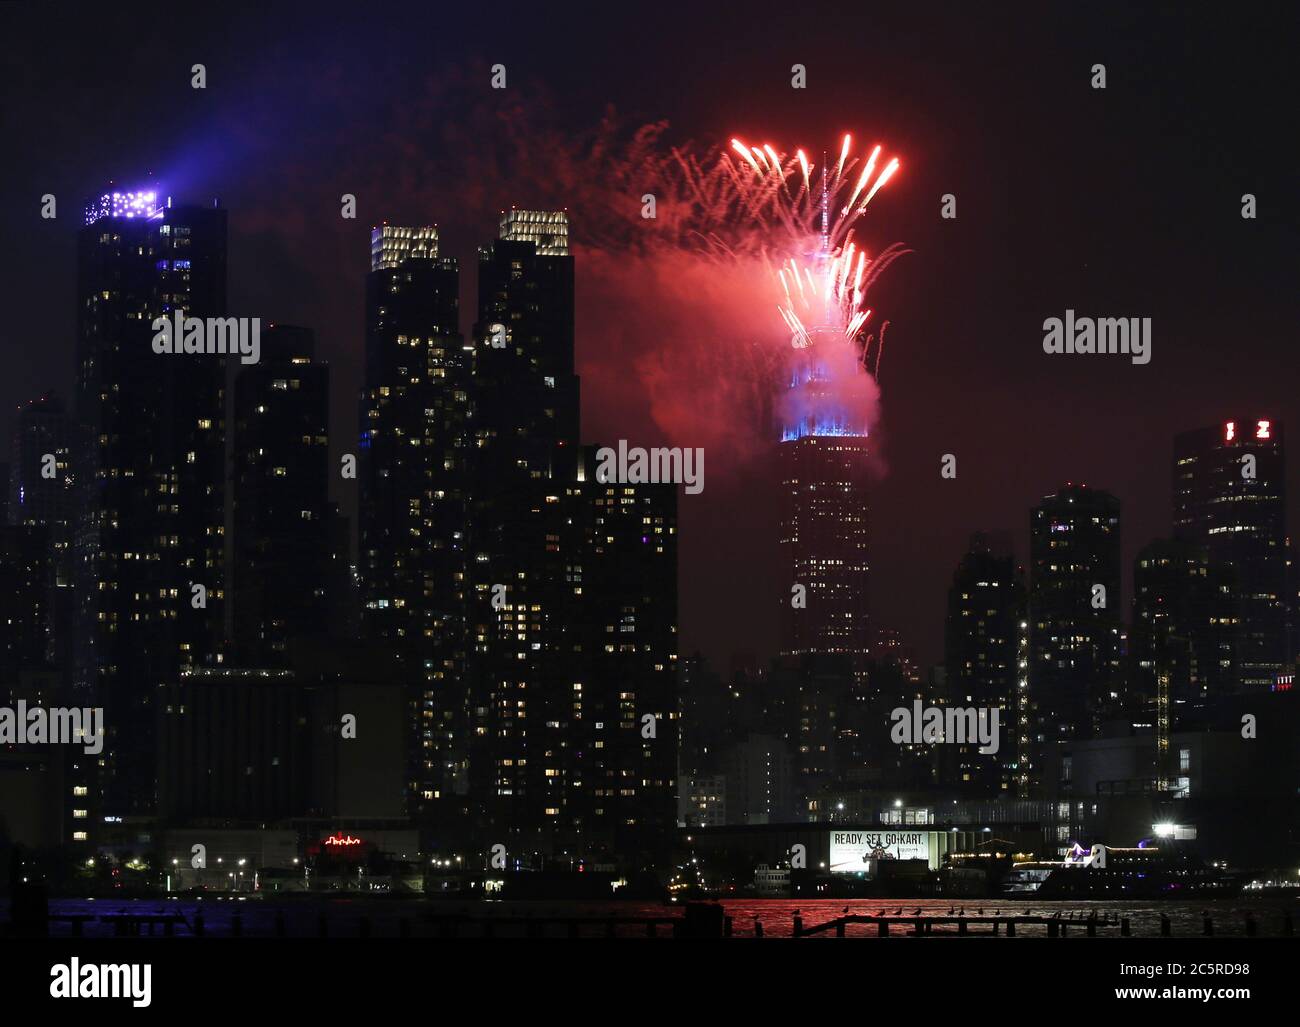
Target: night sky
x: 1123, y: 202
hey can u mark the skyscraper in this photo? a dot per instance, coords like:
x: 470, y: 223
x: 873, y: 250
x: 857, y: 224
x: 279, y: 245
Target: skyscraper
x: 282, y: 515
x: 616, y: 740
x: 526, y: 674
x: 413, y: 446
x: 526, y: 391
x: 1074, y: 610
x: 150, y: 547
x: 547, y: 230
x: 824, y: 459
x: 535, y: 605
x: 574, y: 582
x: 1229, y: 496
x: 524, y: 460
x: 982, y: 655
x: 1185, y: 626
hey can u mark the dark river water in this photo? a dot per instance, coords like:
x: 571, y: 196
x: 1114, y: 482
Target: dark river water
x: 356, y: 916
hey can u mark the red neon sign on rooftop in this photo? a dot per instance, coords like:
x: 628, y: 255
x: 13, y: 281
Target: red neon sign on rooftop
x: 340, y: 839
x: 1263, y: 430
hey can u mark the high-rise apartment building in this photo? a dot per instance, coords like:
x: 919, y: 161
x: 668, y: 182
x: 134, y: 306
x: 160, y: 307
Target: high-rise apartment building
x: 1185, y: 626
x: 413, y: 424
x: 1229, y: 496
x: 1074, y: 610
x: 574, y: 581
x: 150, y: 548
x: 538, y: 605
x: 280, y: 577
x: 984, y: 650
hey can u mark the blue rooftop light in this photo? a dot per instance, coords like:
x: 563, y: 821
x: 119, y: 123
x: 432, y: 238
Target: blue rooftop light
x: 141, y: 203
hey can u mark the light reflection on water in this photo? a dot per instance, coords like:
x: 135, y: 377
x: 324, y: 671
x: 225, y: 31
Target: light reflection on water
x: 302, y: 916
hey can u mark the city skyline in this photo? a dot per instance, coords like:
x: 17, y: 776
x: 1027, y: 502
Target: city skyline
x: 557, y: 473
x: 965, y: 375
x: 878, y: 487
x: 494, y: 419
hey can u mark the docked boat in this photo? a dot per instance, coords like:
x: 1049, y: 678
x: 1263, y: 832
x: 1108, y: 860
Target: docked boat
x: 1024, y: 879
x: 1169, y: 871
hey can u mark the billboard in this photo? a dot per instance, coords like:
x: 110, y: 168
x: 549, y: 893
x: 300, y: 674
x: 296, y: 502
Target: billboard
x: 851, y: 850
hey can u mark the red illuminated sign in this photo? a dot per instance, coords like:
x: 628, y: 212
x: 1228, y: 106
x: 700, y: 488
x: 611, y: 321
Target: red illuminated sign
x: 1263, y: 430
x: 342, y: 840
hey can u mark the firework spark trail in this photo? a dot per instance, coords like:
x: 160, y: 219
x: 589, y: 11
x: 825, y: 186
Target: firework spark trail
x: 762, y: 194
x: 735, y: 228
x: 755, y: 202
x: 880, y: 350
